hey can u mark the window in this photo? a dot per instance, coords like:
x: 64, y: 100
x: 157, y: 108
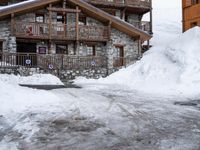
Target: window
x: 62, y: 49
x: 39, y: 18
x: 195, y: 2
x: 119, y: 51
x: 91, y: 51
x: 193, y: 24
x: 60, y: 18
x: 82, y: 20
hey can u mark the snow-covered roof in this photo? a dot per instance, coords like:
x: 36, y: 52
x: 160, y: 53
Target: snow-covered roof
x: 92, y: 11
x: 17, y: 4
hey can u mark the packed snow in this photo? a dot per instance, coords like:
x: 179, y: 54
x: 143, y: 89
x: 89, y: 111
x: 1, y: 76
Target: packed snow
x: 173, y: 69
x: 171, y: 66
x: 35, y: 79
x: 114, y: 113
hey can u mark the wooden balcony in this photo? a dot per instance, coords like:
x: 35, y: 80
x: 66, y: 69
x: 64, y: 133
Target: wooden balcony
x: 122, y: 3
x: 143, y: 25
x: 61, y: 32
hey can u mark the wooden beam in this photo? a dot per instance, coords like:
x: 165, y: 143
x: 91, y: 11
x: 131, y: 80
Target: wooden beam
x: 109, y: 30
x: 151, y: 19
x: 26, y: 7
x: 77, y: 24
x: 12, y: 24
x: 123, y: 14
x: 64, y: 10
x: 50, y: 27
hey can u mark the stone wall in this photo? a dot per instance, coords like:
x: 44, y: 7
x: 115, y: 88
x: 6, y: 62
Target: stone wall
x: 94, y: 73
x: 9, y: 43
x: 135, y: 20
x: 131, y: 46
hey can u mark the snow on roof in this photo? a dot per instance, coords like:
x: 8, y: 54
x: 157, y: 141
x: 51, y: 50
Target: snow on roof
x: 17, y: 4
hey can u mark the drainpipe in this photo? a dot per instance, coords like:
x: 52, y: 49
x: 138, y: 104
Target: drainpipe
x: 151, y: 18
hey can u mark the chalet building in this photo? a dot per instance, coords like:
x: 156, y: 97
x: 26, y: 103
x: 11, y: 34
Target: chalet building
x: 191, y: 13
x: 73, y: 36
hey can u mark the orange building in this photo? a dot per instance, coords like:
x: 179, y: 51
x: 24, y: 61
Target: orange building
x: 191, y: 14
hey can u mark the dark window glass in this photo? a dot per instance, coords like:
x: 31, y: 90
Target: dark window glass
x: 60, y: 18
x: 39, y: 18
x: 62, y: 49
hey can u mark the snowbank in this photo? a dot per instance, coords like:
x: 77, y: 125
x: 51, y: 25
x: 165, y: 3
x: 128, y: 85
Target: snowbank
x: 36, y: 79
x: 173, y: 69
x: 15, y: 99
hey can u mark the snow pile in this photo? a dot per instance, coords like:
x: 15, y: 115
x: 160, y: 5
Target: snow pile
x: 35, y: 79
x: 173, y: 69
x: 166, y: 26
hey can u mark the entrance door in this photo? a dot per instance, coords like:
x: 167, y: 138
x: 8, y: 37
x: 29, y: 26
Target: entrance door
x: 27, y: 54
x: 1, y: 50
x: 119, y: 61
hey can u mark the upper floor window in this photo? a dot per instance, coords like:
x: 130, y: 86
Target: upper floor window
x: 39, y: 18
x: 82, y: 20
x: 195, y: 2
x: 60, y: 18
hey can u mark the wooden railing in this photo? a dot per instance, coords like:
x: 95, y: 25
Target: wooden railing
x: 31, y: 29
x: 138, y: 3
x: 9, y: 60
x: 124, y: 61
x: 51, y: 61
x: 61, y: 31
x: 93, y: 32
x: 143, y: 25
x: 60, y: 62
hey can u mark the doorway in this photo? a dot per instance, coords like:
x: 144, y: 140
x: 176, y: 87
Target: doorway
x: 1, y: 50
x: 26, y: 54
x: 119, y: 60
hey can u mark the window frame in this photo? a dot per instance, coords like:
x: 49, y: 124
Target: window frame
x: 92, y: 51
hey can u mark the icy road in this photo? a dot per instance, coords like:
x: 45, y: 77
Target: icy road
x: 104, y: 117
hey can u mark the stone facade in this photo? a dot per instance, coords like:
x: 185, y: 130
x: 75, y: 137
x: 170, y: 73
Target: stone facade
x: 131, y: 46
x: 107, y: 49
x: 9, y: 42
x: 134, y: 19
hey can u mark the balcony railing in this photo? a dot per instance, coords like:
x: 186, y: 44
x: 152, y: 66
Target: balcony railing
x: 143, y: 25
x: 133, y: 3
x: 124, y: 61
x: 51, y: 61
x: 61, y: 31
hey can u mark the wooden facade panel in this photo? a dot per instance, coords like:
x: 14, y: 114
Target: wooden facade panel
x: 186, y: 3
x: 189, y: 24
x: 192, y: 12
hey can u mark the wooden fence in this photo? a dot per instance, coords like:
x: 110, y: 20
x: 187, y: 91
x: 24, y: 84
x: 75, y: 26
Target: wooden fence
x: 51, y: 61
x: 60, y: 61
x: 124, y: 61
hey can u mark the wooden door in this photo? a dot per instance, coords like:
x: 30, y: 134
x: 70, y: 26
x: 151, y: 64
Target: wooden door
x: 1, y: 50
x: 119, y: 61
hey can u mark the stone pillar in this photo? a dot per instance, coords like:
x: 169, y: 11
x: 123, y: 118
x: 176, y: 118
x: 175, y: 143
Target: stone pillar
x: 11, y: 44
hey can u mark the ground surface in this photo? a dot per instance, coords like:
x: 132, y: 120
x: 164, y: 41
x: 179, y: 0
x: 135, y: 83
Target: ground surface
x: 105, y: 117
